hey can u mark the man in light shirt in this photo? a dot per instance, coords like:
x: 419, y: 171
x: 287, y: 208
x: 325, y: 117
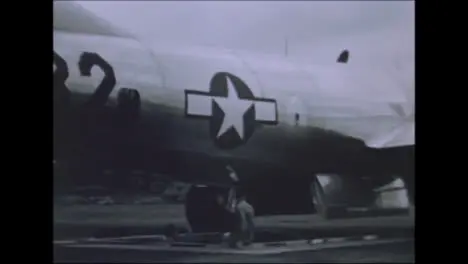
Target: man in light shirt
x: 244, y: 228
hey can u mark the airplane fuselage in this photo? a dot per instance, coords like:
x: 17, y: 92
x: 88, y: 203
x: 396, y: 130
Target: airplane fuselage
x: 190, y: 112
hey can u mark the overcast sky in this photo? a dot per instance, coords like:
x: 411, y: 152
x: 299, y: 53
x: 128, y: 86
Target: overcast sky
x: 371, y: 30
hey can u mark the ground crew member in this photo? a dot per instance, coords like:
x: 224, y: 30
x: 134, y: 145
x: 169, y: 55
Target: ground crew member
x: 225, y: 213
x: 232, y: 174
x: 244, y: 227
x: 240, y: 213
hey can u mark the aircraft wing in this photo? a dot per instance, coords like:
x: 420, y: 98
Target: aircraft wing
x: 385, y: 125
x: 378, y: 106
x: 401, y: 135
x: 400, y: 114
x: 379, y: 125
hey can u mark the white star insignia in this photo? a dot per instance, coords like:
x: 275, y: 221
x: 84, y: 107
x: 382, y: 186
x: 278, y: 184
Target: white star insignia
x: 234, y: 109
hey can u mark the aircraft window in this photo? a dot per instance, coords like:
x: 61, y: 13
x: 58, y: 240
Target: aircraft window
x: 129, y: 102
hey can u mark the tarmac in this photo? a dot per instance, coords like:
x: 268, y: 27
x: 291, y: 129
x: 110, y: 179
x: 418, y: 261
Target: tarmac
x: 279, y: 239
x: 370, y: 249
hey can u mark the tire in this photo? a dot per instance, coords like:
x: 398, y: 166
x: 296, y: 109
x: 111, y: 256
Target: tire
x: 203, y: 213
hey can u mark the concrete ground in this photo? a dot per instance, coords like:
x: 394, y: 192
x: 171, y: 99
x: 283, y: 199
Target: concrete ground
x: 97, y: 220
x: 148, y: 215
x: 396, y: 252
x: 84, y: 221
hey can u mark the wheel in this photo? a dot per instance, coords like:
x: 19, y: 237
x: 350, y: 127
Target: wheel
x: 202, y: 211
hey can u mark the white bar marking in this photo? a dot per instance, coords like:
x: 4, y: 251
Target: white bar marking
x: 265, y: 111
x: 199, y: 105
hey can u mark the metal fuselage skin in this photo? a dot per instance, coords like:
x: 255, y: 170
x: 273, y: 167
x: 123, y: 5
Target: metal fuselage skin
x: 186, y: 123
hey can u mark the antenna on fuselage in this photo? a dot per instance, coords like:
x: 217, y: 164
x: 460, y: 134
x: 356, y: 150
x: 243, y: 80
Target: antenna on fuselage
x: 344, y: 57
x: 286, y: 46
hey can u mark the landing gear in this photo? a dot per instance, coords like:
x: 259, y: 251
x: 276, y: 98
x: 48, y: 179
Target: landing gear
x: 321, y: 203
x: 339, y: 196
x: 409, y: 184
x: 203, y: 211
x: 318, y: 198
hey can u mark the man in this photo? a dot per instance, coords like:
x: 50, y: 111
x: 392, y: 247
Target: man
x: 240, y: 212
x: 232, y: 174
x: 231, y: 200
x: 244, y: 228
x: 225, y: 213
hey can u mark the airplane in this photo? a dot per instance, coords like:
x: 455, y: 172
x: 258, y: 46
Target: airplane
x: 189, y: 112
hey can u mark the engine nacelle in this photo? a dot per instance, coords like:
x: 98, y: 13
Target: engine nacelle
x: 340, y: 196
x: 345, y: 191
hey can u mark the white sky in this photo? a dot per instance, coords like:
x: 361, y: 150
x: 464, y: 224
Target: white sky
x: 371, y: 30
